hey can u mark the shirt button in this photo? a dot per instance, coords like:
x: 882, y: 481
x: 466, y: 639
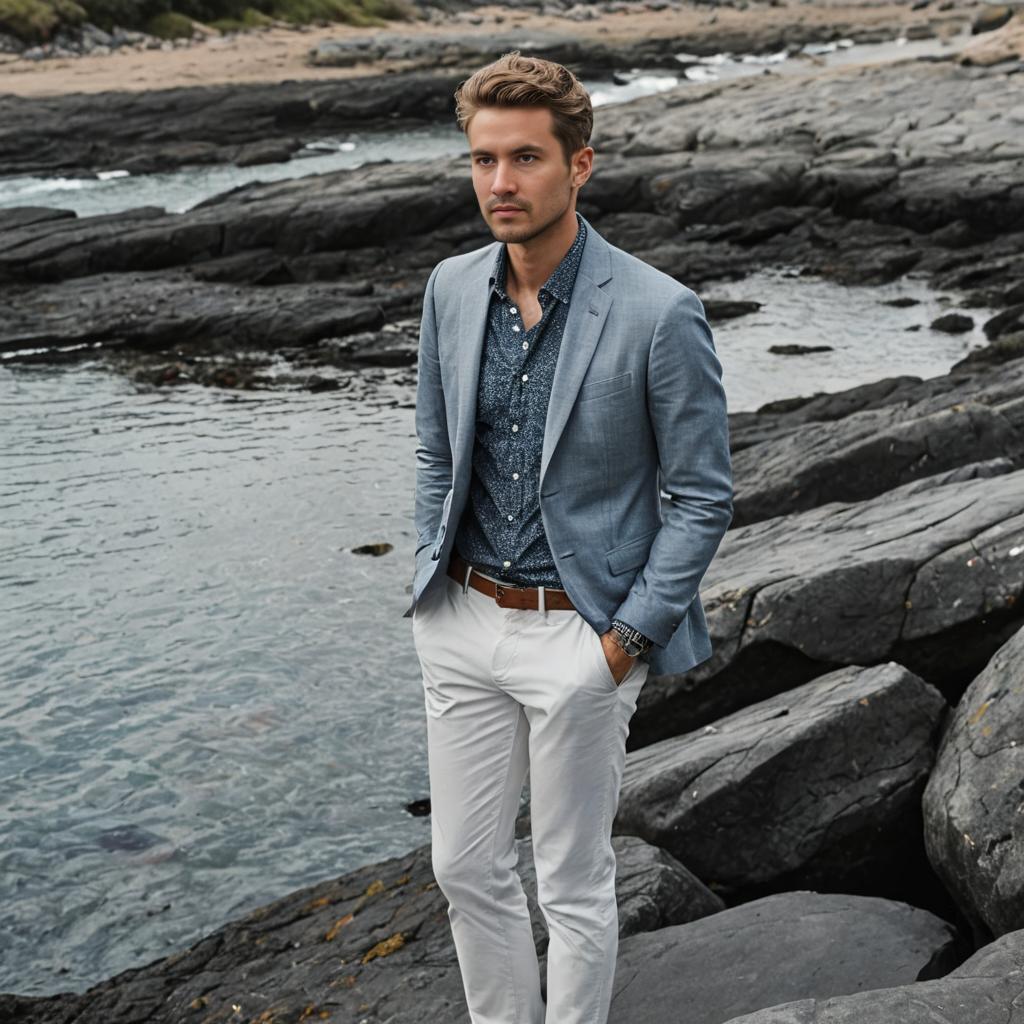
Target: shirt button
x: 514, y: 309
x: 510, y: 519
x: 526, y: 344
x: 515, y: 427
x: 515, y: 476
x: 526, y: 376
x: 506, y: 563
x: 515, y: 327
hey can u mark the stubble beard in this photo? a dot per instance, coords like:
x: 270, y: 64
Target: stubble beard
x: 510, y: 234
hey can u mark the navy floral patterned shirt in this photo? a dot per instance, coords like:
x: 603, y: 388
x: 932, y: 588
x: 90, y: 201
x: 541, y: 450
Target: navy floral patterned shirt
x: 501, y: 531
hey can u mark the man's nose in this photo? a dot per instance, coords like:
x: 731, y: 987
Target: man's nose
x: 504, y: 181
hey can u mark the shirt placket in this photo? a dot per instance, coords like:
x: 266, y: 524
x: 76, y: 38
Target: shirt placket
x: 519, y: 398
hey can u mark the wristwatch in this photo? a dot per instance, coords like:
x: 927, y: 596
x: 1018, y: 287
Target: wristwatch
x: 631, y: 640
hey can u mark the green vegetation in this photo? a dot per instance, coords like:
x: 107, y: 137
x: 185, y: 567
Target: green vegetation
x: 250, y: 18
x: 36, y: 21
x: 170, y: 25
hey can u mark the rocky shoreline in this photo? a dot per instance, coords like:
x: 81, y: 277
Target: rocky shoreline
x: 836, y: 790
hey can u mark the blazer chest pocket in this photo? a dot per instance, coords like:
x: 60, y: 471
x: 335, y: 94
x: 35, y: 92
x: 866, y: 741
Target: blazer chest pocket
x: 608, y: 386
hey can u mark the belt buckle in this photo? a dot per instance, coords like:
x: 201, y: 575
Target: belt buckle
x: 501, y: 589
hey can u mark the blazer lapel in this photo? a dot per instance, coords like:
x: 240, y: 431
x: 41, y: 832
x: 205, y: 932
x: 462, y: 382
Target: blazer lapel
x: 588, y: 310
x: 472, y: 328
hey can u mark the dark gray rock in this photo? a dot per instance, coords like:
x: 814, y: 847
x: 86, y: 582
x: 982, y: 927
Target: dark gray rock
x: 1003, y: 350
x: 704, y: 181
x: 922, y: 576
x: 797, y: 350
x: 269, y: 151
x: 742, y: 148
x: 159, y: 312
x: 872, y: 451
x: 986, y: 989
x: 1009, y: 321
x: 356, y: 212
x: 102, y: 131
x: 972, y: 805
x: 374, y: 944
x: 972, y: 379
x: 953, y: 323
x: 792, y: 945
x: 817, y: 787
x: 158, y: 130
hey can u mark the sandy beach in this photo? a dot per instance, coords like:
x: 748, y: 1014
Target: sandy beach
x: 280, y: 54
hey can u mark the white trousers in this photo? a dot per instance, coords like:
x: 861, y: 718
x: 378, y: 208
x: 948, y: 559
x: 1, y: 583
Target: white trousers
x: 508, y: 690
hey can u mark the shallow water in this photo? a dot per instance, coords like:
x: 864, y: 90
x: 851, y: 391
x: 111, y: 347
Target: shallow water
x: 209, y: 700
x: 869, y: 339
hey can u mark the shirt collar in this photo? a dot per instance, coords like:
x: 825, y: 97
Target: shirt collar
x: 562, y: 278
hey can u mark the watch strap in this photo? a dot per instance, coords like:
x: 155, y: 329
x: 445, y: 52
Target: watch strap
x: 632, y: 641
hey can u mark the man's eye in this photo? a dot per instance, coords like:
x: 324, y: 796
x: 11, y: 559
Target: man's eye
x: 522, y: 156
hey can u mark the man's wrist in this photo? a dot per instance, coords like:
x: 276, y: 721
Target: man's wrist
x: 631, y: 640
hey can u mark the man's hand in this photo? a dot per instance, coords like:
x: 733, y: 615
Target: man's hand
x: 618, y: 660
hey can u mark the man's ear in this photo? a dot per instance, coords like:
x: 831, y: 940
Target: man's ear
x: 582, y: 165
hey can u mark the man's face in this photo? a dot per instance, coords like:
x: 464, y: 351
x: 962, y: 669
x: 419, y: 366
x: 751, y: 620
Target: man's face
x: 520, y: 175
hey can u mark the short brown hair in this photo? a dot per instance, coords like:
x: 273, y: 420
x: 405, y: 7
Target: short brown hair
x: 516, y: 81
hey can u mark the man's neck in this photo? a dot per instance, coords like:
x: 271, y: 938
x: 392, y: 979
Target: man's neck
x: 531, y: 263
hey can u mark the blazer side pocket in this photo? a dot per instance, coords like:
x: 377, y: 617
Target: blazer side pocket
x: 632, y: 554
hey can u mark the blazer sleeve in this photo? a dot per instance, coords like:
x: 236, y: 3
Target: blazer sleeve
x: 433, y: 450
x: 687, y: 406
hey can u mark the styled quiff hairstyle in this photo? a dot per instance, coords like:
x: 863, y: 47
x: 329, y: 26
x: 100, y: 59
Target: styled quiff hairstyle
x: 517, y: 81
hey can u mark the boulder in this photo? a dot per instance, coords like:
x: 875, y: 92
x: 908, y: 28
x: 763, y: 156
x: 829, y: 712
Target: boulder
x: 927, y: 574
x: 830, y: 449
x: 794, y: 945
x: 986, y: 989
x: 817, y: 787
x: 974, y: 830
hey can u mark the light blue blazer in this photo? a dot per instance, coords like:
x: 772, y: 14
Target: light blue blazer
x: 637, y: 407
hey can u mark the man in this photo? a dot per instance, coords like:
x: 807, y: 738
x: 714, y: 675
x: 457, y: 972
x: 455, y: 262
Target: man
x: 563, y: 383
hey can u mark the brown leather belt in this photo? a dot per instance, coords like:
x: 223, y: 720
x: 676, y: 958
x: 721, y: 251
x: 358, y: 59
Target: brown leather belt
x: 508, y: 595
